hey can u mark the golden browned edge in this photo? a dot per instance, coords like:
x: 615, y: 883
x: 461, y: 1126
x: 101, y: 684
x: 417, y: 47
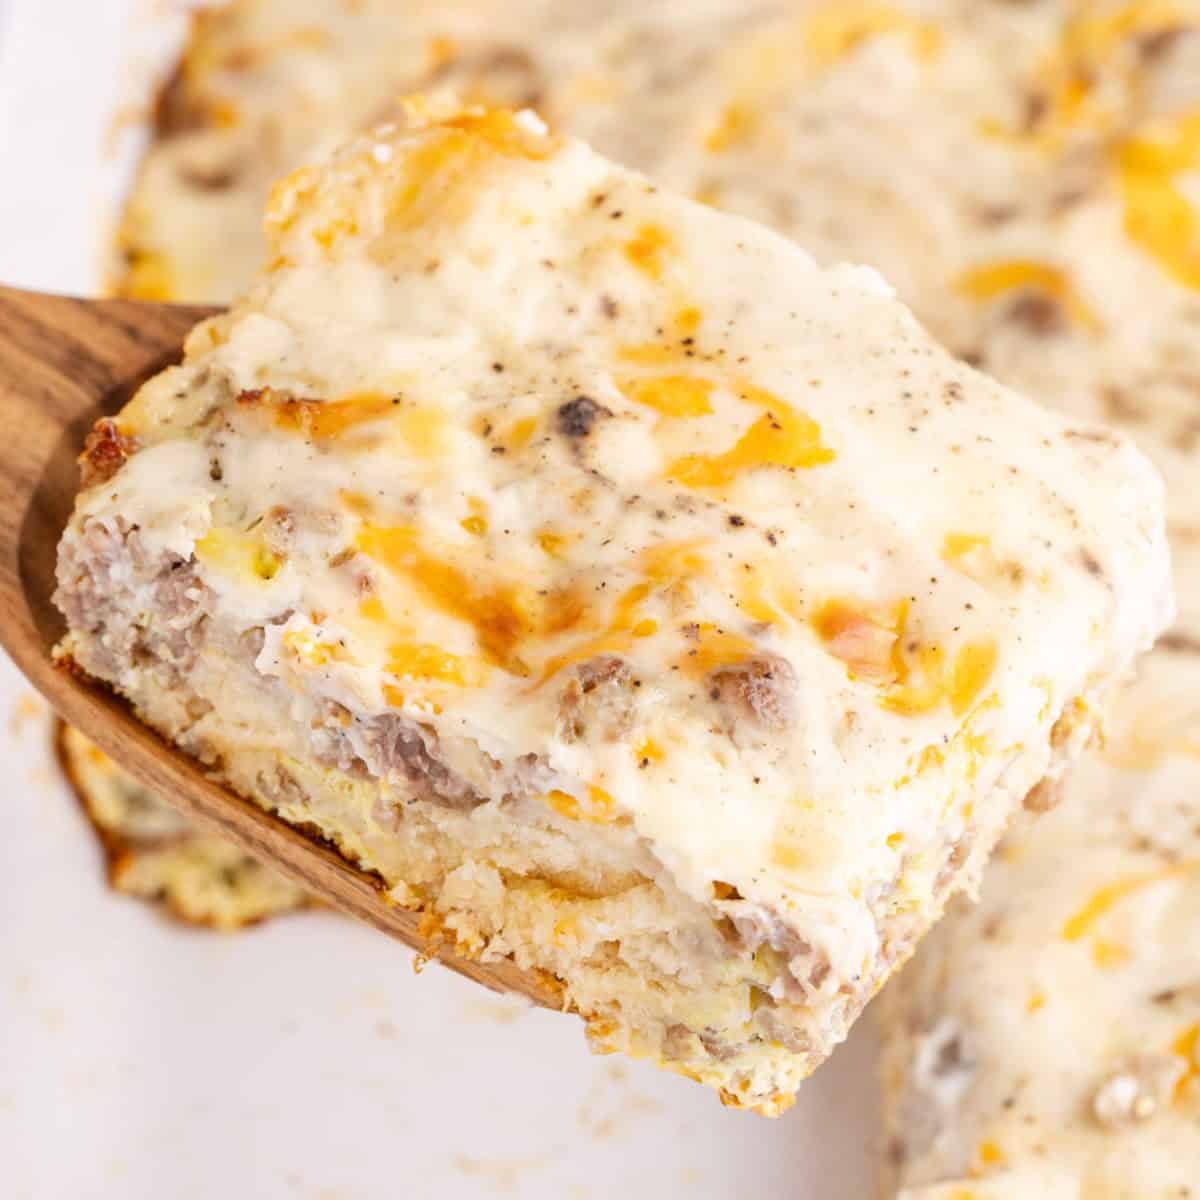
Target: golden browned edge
x: 121, y: 852
x: 114, y: 847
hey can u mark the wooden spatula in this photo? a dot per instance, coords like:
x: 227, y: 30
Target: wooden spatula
x: 63, y: 363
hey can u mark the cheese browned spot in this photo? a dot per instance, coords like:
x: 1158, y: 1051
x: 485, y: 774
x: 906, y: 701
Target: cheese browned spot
x: 104, y: 452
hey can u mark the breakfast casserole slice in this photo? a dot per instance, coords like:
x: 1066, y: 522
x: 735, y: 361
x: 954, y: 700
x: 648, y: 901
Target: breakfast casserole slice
x: 1045, y: 1044
x: 155, y: 853
x: 642, y: 602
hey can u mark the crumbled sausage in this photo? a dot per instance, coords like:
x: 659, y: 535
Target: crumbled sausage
x: 946, y: 1053
x: 279, y: 529
x: 1179, y: 643
x: 762, y: 688
x: 679, y: 1043
x: 780, y: 1027
x: 396, y: 745
x: 1186, y: 993
x: 1038, y: 314
x: 597, y: 700
x: 1160, y: 43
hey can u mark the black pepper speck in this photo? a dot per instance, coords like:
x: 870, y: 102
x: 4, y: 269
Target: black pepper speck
x: 577, y: 417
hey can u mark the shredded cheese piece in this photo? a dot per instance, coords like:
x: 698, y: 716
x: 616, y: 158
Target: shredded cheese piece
x: 672, y: 395
x: 989, y: 280
x: 781, y: 437
x: 1108, y: 897
x: 647, y: 250
x: 839, y: 27
x: 1158, y: 216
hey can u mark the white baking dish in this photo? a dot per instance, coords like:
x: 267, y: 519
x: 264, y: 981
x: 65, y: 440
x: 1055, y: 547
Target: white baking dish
x: 303, y: 1059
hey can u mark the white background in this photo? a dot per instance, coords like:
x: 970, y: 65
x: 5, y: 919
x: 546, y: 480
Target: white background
x: 303, y: 1059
